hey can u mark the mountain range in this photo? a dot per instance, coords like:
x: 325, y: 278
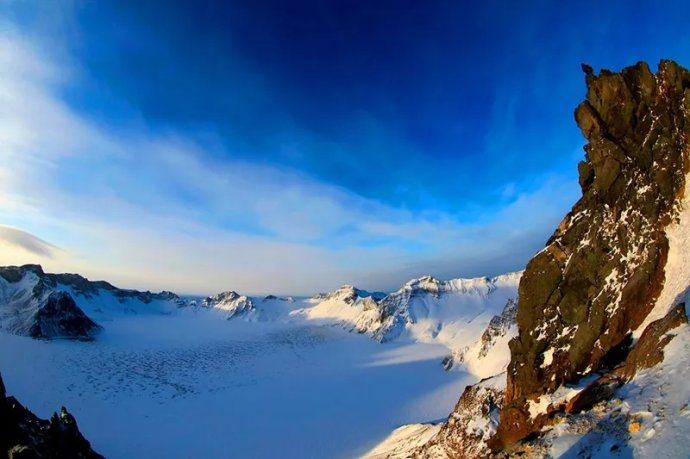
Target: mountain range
x: 585, y: 353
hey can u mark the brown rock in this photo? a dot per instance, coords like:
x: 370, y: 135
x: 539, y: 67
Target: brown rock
x: 602, y: 270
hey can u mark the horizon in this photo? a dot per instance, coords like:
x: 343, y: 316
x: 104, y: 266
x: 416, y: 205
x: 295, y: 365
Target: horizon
x: 302, y: 147
x: 269, y: 293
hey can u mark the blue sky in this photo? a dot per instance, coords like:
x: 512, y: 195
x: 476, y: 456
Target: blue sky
x: 290, y: 147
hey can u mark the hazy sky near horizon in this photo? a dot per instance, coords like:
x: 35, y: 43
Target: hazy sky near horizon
x: 290, y: 147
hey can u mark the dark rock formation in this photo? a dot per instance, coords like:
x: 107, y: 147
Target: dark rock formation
x: 58, y: 316
x: 602, y: 270
x: 23, y: 435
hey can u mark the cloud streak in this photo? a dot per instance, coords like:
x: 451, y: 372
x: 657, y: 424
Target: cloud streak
x: 28, y: 242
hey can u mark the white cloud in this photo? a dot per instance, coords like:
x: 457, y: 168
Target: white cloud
x: 153, y: 210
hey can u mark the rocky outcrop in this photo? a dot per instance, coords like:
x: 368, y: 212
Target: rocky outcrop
x: 645, y: 353
x: 600, y: 302
x: 499, y: 326
x: 603, y: 269
x: 23, y: 435
x: 470, y: 425
x: 58, y: 316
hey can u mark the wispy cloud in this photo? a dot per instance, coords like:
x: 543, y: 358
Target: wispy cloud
x: 152, y: 209
x: 22, y: 240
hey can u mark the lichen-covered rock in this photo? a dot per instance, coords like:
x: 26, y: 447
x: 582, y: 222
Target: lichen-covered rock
x: 602, y: 270
x: 23, y: 435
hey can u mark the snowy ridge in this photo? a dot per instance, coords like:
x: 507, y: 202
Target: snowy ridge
x: 30, y: 311
x: 454, y: 313
x: 348, y: 306
x: 25, y: 308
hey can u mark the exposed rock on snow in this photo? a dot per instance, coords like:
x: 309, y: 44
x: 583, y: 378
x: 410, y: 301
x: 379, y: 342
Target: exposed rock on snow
x: 231, y: 303
x: 28, y: 308
x: 431, y: 309
x: 471, y: 424
x: 23, y: 435
x: 490, y: 354
x: 58, y: 316
x: 465, y: 434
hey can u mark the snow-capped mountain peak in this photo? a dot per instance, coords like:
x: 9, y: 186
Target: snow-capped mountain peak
x: 231, y: 303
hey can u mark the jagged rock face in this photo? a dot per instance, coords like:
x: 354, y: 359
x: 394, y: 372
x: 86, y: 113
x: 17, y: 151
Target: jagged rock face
x: 499, y: 326
x: 23, y: 435
x: 29, y: 308
x: 58, y: 316
x: 602, y: 270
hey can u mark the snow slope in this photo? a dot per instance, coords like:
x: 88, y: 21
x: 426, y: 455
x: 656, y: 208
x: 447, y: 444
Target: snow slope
x: 190, y: 385
x: 279, y: 370
x: 454, y: 313
x: 353, y: 308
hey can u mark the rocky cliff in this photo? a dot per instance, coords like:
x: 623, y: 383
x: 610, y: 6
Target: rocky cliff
x: 23, y: 435
x: 600, y: 302
x: 601, y: 273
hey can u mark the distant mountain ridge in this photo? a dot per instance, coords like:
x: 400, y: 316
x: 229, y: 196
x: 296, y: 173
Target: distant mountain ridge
x: 45, y: 305
x: 454, y: 313
x: 469, y: 316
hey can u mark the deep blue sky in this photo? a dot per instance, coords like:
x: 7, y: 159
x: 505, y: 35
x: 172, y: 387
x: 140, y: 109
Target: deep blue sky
x: 447, y: 110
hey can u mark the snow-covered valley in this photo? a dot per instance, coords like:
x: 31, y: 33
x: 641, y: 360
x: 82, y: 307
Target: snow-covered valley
x: 217, y: 377
x: 189, y: 385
